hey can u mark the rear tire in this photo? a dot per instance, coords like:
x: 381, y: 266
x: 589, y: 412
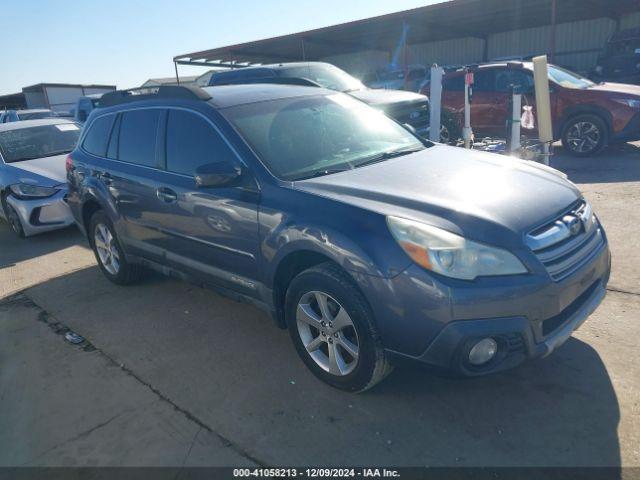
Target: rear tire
x: 332, y: 329
x: 585, y: 135
x: 109, y: 252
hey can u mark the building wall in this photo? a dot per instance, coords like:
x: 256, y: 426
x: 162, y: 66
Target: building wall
x: 577, y: 47
x: 63, y: 99
x: 35, y: 99
x: 577, y: 43
x: 448, y: 52
x: 359, y: 63
x: 630, y: 21
x: 60, y: 98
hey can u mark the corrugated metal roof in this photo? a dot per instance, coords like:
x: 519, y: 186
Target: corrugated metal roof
x: 439, y: 22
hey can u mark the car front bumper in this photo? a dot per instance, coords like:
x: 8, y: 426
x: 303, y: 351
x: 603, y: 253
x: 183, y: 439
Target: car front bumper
x: 434, y: 321
x: 41, y: 215
x: 631, y: 131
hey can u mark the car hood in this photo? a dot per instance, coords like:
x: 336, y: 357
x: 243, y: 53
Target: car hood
x: 624, y: 88
x: 488, y: 197
x: 382, y: 97
x: 48, y: 171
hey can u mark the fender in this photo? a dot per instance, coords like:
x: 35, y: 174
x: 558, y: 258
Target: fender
x: 94, y: 190
x: 333, y: 245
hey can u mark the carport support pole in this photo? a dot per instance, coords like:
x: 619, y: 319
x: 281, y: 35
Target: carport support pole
x: 435, y: 103
x: 552, y: 32
x: 514, y: 124
x: 466, y: 130
x: 175, y: 65
x: 543, y: 104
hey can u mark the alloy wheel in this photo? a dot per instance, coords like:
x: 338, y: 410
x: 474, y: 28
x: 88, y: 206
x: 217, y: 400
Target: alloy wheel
x: 327, y: 333
x: 583, y: 137
x: 14, y: 220
x: 106, y: 248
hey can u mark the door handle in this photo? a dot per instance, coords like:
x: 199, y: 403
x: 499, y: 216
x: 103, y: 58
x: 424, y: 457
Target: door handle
x: 105, y: 178
x: 167, y: 195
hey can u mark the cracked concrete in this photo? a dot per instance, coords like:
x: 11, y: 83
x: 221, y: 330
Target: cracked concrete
x: 80, y: 409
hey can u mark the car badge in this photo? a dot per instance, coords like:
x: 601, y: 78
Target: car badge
x: 573, y: 223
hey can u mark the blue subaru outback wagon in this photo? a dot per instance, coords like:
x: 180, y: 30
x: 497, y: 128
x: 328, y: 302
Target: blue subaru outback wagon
x: 369, y: 244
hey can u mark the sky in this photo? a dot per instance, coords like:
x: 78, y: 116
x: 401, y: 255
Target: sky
x: 124, y: 43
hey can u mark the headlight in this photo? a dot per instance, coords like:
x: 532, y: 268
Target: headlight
x: 24, y: 190
x: 449, y: 254
x: 629, y: 102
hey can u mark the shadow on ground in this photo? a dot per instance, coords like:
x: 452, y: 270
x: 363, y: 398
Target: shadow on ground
x: 618, y: 163
x: 228, y: 366
x: 12, y: 248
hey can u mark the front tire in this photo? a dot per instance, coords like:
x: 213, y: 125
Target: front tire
x: 14, y: 220
x: 109, y: 252
x: 584, y: 135
x: 333, y: 331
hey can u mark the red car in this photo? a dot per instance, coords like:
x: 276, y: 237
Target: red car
x: 586, y: 116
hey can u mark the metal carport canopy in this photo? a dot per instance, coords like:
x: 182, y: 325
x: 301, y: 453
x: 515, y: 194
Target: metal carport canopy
x: 442, y: 21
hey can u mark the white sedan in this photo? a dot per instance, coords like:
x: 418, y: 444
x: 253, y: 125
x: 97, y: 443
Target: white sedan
x: 33, y: 183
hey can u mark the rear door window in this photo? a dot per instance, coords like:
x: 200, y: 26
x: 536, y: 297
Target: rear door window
x: 138, y: 136
x: 454, y: 84
x: 507, y: 77
x: 483, y: 81
x: 192, y: 142
x: 97, y: 137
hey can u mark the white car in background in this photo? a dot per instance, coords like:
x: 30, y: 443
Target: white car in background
x: 8, y: 116
x: 33, y: 184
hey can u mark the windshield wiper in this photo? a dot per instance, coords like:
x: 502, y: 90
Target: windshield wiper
x: 322, y: 173
x: 387, y: 155
x: 53, y: 154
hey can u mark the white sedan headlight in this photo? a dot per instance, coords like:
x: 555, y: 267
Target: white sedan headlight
x: 449, y: 254
x: 25, y: 190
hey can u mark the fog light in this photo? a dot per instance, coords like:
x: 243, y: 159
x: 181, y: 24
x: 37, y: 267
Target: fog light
x: 483, y: 351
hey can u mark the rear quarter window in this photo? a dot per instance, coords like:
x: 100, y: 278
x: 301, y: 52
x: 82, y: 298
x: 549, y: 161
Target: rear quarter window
x: 97, y: 138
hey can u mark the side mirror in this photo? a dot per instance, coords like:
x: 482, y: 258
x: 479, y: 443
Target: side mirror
x: 218, y: 174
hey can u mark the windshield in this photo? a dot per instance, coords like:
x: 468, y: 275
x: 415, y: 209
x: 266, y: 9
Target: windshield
x: 35, y: 115
x: 36, y: 142
x: 568, y: 79
x: 326, y: 76
x: 299, y: 138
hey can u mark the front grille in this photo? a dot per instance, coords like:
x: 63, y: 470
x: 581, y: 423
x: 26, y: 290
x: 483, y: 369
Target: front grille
x: 416, y: 115
x: 515, y: 343
x: 563, y: 250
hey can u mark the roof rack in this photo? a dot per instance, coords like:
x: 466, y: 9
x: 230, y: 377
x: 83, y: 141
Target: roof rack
x: 151, y: 93
x: 305, y: 82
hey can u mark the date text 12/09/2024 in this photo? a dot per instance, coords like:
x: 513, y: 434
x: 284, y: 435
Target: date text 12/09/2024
x: 315, y: 473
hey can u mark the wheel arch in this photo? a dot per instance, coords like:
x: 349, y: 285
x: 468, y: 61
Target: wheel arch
x: 575, y: 110
x: 291, y: 265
